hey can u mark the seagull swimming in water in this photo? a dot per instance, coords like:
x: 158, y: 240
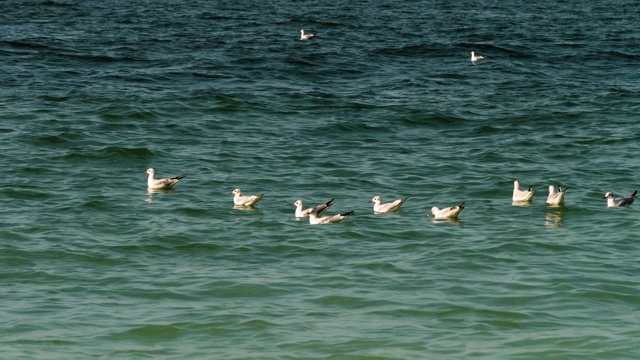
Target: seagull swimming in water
x: 249, y: 200
x: 475, y: 57
x: 304, y: 36
x: 522, y: 195
x: 302, y: 212
x: 161, y: 184
x: 624, y: 201
x: 379, y: 207
x: 447, y: 213
x: 315, y: 220
x: 556, y: 198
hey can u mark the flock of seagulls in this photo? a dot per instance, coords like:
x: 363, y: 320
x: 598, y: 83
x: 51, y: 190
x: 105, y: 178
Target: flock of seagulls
x: 315, y: 214
x: 474, y: 58
x: 557, y: 197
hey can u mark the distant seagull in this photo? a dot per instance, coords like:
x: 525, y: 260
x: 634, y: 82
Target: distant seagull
x: 304, y: 36
x: 315, y: 220
x: 522, y: 195
x: 624, y: 201
x: 161, y: 184
x: 447, y: 213
x: 555, y: 198
x: 302, y: 212
x: 249, y: 200
x: 379, y: 207
x: 475, y: 58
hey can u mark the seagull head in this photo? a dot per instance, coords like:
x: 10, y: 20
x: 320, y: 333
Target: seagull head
x: 608, y: 195
x: 297, y: 203
x: 376, y: 199
x: 236, y: 192
x: 150, y: 171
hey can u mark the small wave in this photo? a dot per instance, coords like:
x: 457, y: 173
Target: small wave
x: 353, y: 127
x: 26, y: 194
x: 110, y: 152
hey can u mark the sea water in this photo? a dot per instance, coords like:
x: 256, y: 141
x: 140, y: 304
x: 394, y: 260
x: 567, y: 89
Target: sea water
x: 384, y: 101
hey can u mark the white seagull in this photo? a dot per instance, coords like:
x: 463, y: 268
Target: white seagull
x: 556, y: 198
x: 522, y: 195
x: 302, y: 212
x: 379, y: 207
x: 475, y: 57
x: 447, y: 213
x: 161, y: 184
x: 315, y: 220
x: 624, y: 201
x: 249, y: 200
x: 304, y: 36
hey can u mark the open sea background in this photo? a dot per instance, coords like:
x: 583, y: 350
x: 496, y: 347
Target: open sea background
x: 385, y: 101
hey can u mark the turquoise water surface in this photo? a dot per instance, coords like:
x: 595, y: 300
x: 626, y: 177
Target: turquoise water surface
x: 384, y: 101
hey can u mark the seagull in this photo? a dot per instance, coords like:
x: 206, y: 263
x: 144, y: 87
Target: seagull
x: 522, y: 195
x: 240, y: 200
x: 555, y: 198
x: 379, y: 207
x: 624, y: 201
x: 302, y: 212
x: 315, y: 220
x: 304, y: 36
x: 447, y: 213
x: 475, y: 58
x: 161, y: 184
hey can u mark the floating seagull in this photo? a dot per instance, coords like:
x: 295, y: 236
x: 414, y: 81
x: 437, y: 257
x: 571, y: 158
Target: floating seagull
x: 161, y: 184
x: 624, y: 201
x: 379, y: 207
x: 475, y: 58
x: 302, y: 212
x: 240, y: 200
x: 447, y: 213
x: 304, y: 36
x: 522, y: 195
x: 314, y: 219
x: 555, y: 198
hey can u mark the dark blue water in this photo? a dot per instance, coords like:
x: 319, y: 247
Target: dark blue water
x: 384, y: 101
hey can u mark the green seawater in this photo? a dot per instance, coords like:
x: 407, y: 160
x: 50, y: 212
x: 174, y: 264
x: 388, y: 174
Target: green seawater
x: 384, y: 101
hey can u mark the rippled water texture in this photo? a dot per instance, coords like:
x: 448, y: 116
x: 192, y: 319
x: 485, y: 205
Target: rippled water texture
x: 384, y: 101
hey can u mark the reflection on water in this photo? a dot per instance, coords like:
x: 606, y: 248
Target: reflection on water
x: 151, y: 192
x: 451, y: 221
x: 521, y: 203
x: 245, y: 208
x: 555, y: 217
